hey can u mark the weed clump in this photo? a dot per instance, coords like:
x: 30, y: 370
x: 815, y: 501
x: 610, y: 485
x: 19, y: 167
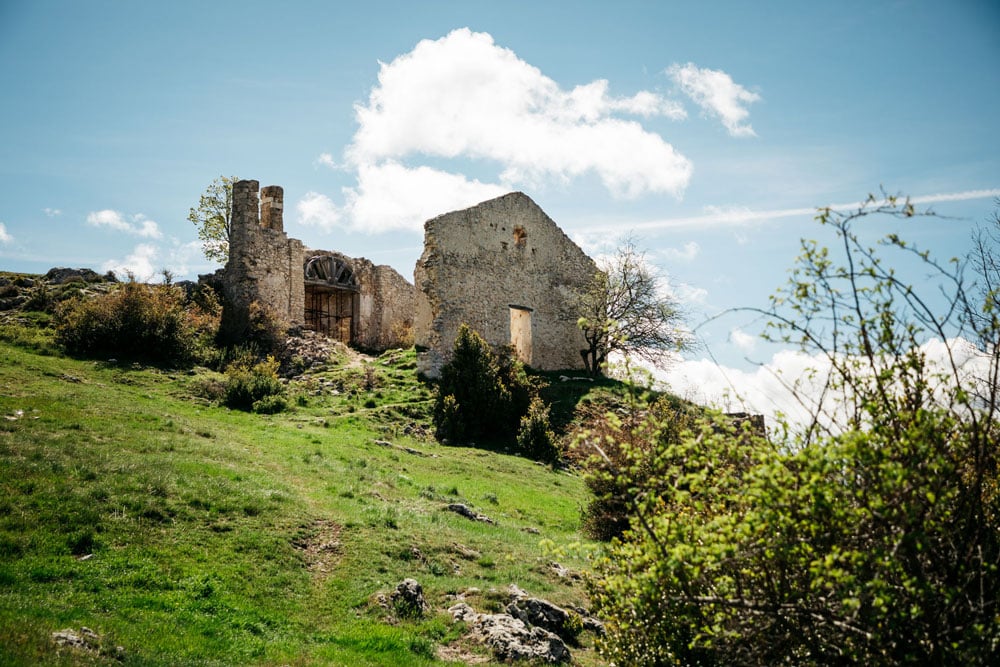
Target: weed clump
x: 255, y: 387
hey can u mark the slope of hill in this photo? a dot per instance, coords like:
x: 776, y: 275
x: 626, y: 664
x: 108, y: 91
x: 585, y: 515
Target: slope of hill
x: 189, y: 534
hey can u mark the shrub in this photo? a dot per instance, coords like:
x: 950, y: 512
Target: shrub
x: 865, y: 536
x: 628, y: 441
x: 134, y: 321
x: 255, y: 387
x: 482, y: 394
x: 535, y: 439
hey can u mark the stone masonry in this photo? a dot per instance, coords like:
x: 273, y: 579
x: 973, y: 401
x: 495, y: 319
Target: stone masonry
x: 265, y: 266
x: 365, y: 305
x: 506, y: 269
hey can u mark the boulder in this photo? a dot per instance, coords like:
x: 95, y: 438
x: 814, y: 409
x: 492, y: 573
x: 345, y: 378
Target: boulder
x: 541, y: 613
x: 509, y: 638
x: 408, y: 599
x: 61, y: 276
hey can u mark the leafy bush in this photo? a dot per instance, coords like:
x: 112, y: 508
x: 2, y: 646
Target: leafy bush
x: 535, y: 439
x: 482, y: 394
x: 255, y: 387
x: 627, y: 439
x: 133, y: 321
x: 868, y: 535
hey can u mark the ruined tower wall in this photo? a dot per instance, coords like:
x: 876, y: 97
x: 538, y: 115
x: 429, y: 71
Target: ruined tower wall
x: 480, y: 262
x: 265, y: 266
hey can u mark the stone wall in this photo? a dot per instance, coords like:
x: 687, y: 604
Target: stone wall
x: 265, y: 266
x: 503, y: 261
x: 386, y: 303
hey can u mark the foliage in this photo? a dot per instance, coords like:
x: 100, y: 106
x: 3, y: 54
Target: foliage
x: 134, y: 321
x: 534, y: 437
x: 482, y: 394
x: 212, y: 217
x: 255, y: 387
x: 627, y: 309
x: 868, y: 537
x: 628, y: 440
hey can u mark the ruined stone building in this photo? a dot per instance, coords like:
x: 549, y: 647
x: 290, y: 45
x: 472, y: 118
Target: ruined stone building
x: 349, y: 299
x: 503, y: 267
x: 506, y: 269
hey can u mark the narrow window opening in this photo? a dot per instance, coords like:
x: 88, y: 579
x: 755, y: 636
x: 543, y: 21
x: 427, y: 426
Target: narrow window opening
x: 520, y: 332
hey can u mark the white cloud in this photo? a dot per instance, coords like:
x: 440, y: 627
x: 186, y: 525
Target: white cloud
x: 326, y: 160
x: 391, y: 196
x: 717, y: 93
x: 690, y: 250
x: 139, y: 225
x: 464, y: 96
x: 792, y: 382
x: 743, y: 340
x: 732, y: 216
x: 318, y: 210
x: 139, y: 263
x: 51, y: 212
x: 5, y: 237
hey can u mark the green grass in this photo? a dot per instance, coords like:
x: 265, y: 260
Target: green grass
x: 191, y: 534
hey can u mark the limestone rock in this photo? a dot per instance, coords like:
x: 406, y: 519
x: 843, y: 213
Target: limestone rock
x: 469, y: 513
x: 509, y: 638
x: 408, y: 598
x: 541, y: 613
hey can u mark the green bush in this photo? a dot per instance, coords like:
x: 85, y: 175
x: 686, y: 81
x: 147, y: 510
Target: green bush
x: 628, y: 443
x: 535, y: 439
x: 482, y: 395
x: 133, y: 321
x: 867, y: 535
x: 256, y: 387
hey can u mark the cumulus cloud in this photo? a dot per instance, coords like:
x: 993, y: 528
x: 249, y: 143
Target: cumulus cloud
x: 464, y: 97
x: 317, y: 210
x: 326, y: 160
x: 743, y: 340
x: 140, y: 263
x: 139, y: 225
x: 687, y: 253
x: 792, y: 383
x: 51, y: 212
x: 5, y: 237
x: 716, y: 93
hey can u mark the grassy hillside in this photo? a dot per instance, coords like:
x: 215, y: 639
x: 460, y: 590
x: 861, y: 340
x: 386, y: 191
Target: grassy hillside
x: 189, y: 534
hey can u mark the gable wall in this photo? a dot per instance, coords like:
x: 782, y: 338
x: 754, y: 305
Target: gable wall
x: 480, y: 261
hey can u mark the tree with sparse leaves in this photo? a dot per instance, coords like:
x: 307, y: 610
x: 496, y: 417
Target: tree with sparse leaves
x: 213, y: 216
x: 626, y: 308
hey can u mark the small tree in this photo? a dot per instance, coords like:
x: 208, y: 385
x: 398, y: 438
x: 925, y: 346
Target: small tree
x: 627, y: 309
x: 212, y: 217
x: 482, y: 394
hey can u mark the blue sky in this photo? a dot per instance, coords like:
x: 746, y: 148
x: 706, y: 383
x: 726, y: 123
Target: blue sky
x: 711, y: 129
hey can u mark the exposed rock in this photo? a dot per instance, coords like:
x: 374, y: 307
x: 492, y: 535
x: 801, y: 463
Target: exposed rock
x: 408, y: 598
x: 60, y: 276
x: 541, y: 613
x: 509, y: 638
x: 88, y: 641
x: 469, y: 513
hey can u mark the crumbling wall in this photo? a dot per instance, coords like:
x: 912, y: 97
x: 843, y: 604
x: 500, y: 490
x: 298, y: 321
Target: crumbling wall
x: 264, y: 266
x: 385, y: 303
x: 503, y: 261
